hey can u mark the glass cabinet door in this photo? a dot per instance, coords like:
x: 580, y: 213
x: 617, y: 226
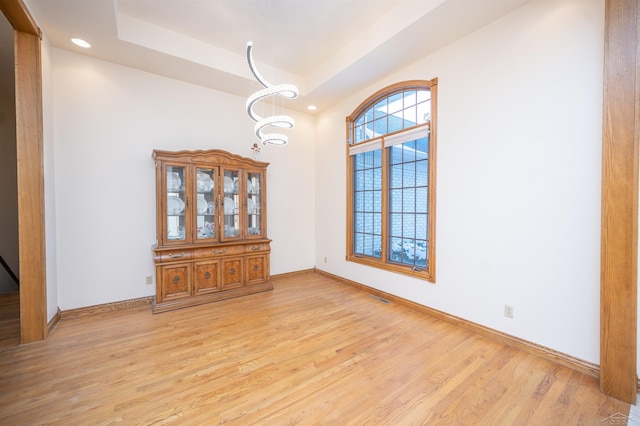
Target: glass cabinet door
x: 254, y: 204
x: 176, y: 203
x: 231, y: 203
x: 205, y: 203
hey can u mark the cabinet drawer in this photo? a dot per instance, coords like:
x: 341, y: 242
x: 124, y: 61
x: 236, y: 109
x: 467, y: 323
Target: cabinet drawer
x: 173, y: 256
x: 258, y: 247
x: 209, y: 252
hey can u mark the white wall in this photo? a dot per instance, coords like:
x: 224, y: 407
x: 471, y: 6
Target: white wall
x: 49, y: 181
x: 518, y: 177
x: 107, y: 120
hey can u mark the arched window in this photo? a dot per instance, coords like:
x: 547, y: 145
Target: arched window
x: 391, y: 187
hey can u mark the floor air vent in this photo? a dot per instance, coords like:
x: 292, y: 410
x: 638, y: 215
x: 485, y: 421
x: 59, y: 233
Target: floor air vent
x: 380, y: 299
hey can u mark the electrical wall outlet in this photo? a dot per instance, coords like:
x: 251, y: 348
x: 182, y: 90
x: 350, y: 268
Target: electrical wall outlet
x: 149, y: 280
x: 325, y: 259
x: 508, y: 311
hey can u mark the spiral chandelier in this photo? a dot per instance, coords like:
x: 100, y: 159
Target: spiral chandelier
x: 288, y: 91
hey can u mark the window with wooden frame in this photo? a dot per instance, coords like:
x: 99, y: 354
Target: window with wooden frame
x: 391, y: 147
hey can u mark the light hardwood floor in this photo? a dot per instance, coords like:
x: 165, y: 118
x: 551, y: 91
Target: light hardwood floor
x: 9, y: 320
x: 312, y: 351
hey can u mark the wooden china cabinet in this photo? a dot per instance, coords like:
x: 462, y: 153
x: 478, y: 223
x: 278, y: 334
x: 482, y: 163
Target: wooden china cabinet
x: 211, y: 228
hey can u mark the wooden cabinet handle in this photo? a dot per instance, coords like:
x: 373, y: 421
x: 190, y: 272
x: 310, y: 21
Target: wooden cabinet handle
x: 232, y: 271
x: 176, y: 255
x: 219, y: 251
x: 256, y: 267
x: 255, y: 248
x: 176, y: 279
x: 207, y: 275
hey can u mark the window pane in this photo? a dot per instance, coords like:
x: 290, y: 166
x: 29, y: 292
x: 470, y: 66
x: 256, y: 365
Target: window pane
x: 368, y: 159
x: 409, y: 98
x: 377, y: 178
x: 423, y: 95
x: 410, y: 119
x: 377, y: 246
x: 359, y: 181
x: 409, y: 203
x: 396, y: 154
x: 423, y: 112
x: 377, y: 201
x: 408, y: 225
x: 377, y: 223
x: 358, y: 161
x: 396, y: 200
x: 359, y: 222
x: 369, y: 131
x: 395, y: 252
x: 421, y: 253
x: 396, y: 225
x: 368, y: 244
x: 409, y: 174
x: 359, y: 201
x: 409, y: 200
x: 422, y: 149
x: 395, y: 178
x: 368, y: 179
x: 380, y: 127
x: 380, y: 109
x: 368, y: 201
x: 358, y: 134
x: 395, y: 103
x: 367, y: 216
x: 408, y: 251
x: 377, y: 158
x: 422, y: 173
x: 394, y: 123
x: 421, y: 226
x: 368, y: 115
x: 368, y: 222
x: 409, y: 151
x: 421, y: 200
x: 358, y: 243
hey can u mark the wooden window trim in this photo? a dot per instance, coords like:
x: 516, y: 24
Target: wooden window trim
x: 428, y: 273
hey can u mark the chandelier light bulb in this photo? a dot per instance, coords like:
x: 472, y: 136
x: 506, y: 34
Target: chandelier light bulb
x: 288, y: 91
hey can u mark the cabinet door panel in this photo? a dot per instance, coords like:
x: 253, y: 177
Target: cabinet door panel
x: 207, y: 277
x: 175, y: 202
x: 256, y: 269
x: 204, y: 207
x: 232, y: 204
x: 255, y: 205
x: 175, y: 281
x: 232, y: 273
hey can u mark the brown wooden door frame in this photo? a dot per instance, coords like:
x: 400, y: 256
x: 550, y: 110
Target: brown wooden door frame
x: 30, y: 171
x: 619, y: 260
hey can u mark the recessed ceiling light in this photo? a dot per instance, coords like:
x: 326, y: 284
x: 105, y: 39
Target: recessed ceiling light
x: 311, y: 108
x: 80, y: 42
